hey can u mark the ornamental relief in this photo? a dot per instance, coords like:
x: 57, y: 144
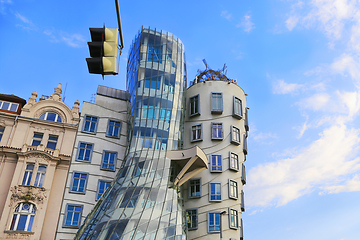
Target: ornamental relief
x: 17, y: 236
x: 37, y: 157
x: 27, y: 193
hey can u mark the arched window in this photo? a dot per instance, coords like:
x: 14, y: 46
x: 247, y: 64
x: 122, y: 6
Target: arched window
x: 50, y: 116
x: 23, y: 218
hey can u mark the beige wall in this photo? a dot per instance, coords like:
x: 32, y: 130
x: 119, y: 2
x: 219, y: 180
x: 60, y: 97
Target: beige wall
x: 16, y: 152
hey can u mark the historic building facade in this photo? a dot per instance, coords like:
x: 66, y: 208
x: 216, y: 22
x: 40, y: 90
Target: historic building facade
x: 98, y: 154
x: 36, y: 144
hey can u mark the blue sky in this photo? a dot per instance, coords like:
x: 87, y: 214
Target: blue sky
x: 298, y: 61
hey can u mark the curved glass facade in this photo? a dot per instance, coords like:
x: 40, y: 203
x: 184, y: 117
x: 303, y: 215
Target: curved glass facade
x: 144, y: 202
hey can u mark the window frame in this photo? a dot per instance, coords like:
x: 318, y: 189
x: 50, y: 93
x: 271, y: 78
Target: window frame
x: 237, y: 140
x: 45, y: 114
x: 41, y: 175
x: 84, y: 123
x: 103, y: 158
x: 29, y: 175
x: 236, y: 161
x: 2, y: 130
x: 235, y: 113
x: 215, y: 225
x: 201, y: 133
x: 64, y: 225
x: 212, y: 131
x: 210, y: 195
x: 30, y: 216
x: 191, y: 218
x: 78, y: 152
x: 72, y: 182
x: 98, y: 188
x: 189, y: 186
x: 231, y: 185
x: 52, y: 141
x: 195, y: 113
x: 212, y: 165
x: 213, y: 109
x: 10, y: 106
x: 37, y: 138
x: 231, y: 210
x: 108, y: 126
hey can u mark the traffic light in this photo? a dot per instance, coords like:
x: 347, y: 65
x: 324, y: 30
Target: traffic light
x: 103, y: 51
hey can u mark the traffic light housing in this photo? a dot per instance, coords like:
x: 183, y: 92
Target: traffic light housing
x: 103, y: 51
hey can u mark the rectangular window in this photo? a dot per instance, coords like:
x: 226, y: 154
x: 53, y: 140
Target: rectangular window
x: 195, y: 188
x: 78, y: 182
x: 40, y: 176
x: 233, y: 218
x: 2, y: 129
x: 237, y: 111
x: 194, y: 106
x: 196, y: 133
x: 234, y: 161
x: 192, y: 219
x: 109, y: 161
x: 84, y: 151
x: 216, y: 163
x: 216, y: 103
x: 8, y: 106
x: 235, y: 135
x: 28, y: 174
x: 138, y: 169
x: 217, y: 131
x: 102, y: 186
x: 113, y: 129
x: 90, y: 124
x: 233, y: 189
x: 215, y: 191
x: 52, y: 141
x: 213, y: 222
x: 243, y: 173
x: 37, y: 139
x: 72, y: 216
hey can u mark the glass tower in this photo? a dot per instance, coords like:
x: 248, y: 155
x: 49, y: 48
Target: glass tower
x: 143, y: 202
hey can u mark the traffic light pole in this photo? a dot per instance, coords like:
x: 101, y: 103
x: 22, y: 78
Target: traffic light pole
x: 119, y: 23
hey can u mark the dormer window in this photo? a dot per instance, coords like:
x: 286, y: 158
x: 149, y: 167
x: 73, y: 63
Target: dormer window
x: 8, y: 106
x: 50, y: 116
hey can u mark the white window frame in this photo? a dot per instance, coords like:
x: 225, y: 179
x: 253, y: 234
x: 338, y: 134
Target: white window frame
x: 237, y: 110
x: 233, y: 215
x: 40, y: 176
x: 18, y: 212
x: 198, y: 138
x: 192, y: 102
x: 9, y: 107
x: 235, y: 135
x: 210, y: 194
x: 28, y: 174
x: 218, y: 157
x: 196, y: 220
x: 214, y: 98
x: 52, y: 141
x: 233, y: 161
x: 215, y: 125
x: 233, y: 189
x: 57, y: 117
x: 37, y: 138
x: 91, y: 121
x: 195, y: 186
x: 209, y: 215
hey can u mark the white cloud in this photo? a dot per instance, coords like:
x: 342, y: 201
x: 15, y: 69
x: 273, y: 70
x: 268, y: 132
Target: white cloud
x: 291, y: 22
x: 281, y: 87
x: 346, y: 63
x: 22, y: 18
x: 73, y: 40
x: 262, y: 137
x: 321, y: 163
x: 246, y: 23
x: 3, y: 6
x: 350, y: 185
x: 226, y: 15
x: 316, y: 102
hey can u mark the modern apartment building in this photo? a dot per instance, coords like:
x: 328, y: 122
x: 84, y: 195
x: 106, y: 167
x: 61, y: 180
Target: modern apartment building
x: 98, y: 153
x: 36, y: 142
x: 184, y: 170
